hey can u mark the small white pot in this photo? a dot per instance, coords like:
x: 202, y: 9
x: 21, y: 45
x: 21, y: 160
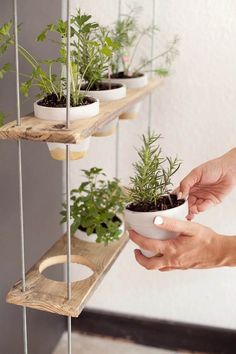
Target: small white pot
x: 81, y: 235
x: 77, y: 151
x: 106, y: 96
x: 59, y: 114
x: 132, y: 83
x: 58, y: 150
x: 143, y: 223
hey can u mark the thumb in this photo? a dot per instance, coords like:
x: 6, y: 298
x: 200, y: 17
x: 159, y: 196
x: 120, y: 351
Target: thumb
x: 175, y: 225
x: 188, y: 182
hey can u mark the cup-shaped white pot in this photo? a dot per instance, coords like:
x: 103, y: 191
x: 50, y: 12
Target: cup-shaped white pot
x: 112, y: 94
x: 82, y: 235
x: 132, y: 83
x: 143, y: 223
x: 58, y: 150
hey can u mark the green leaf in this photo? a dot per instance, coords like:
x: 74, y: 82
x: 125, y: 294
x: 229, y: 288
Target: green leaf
x: 2, y: 117
x: 162, y: 72
x: 4, y: 70
x: 5, y: 29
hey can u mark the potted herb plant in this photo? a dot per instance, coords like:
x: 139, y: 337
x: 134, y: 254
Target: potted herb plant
x: 95, y: 208
x: 149, y: 193
x: 48, y: 77
x: 100, y: 57
x: 129, y: 34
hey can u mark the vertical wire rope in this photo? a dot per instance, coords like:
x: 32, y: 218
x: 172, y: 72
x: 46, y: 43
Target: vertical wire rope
x: 151, y: 67
x: 68, y: 82
x: 118, y: 123
x: 25, y: 330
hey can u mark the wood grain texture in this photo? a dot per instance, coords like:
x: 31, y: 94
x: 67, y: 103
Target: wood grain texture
x: 49, y: 295
x: 50, y: 131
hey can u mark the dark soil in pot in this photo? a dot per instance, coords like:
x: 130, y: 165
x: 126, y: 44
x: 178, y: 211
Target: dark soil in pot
x: 102, y: 86
x: 114, y: 219
x: 163, y: 203
x: 53, y: 102
x: 121, y: 75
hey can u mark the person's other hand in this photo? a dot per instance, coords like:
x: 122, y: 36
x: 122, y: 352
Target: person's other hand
x: 208, y: 184
x: 196, y: 247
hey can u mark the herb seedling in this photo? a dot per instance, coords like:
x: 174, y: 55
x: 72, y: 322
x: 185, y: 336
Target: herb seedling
x: 150, y: 185
x: 128, y: 34
x: 95, y: 205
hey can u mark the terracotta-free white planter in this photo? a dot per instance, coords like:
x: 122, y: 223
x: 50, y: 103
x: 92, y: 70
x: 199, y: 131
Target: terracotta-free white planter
x: 81, y: 235
x: 112, y: 94
x: 57, y: 150
x: 132, y: 83
x: 143, y: 223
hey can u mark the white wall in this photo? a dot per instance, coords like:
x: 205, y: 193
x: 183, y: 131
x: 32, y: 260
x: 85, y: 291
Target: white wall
x: 195, y: 111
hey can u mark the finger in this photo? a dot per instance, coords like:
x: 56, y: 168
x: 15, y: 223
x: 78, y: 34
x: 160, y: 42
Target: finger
x: 167, y: 269
x: 178, y: 226
x: 149, y: 263
x: 189, y: 181
x: 147, y: 243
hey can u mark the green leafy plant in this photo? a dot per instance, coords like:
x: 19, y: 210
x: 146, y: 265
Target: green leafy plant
x: 95, y: 205
x: 91, y: 50
x: 129, y: 34
x: 153, y: 172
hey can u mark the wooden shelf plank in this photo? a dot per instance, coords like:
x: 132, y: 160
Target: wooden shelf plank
x: 41, y: 130
x: 49, y: 295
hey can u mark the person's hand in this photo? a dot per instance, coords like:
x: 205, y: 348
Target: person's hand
x: 209, y: 183
x: 196, y: 247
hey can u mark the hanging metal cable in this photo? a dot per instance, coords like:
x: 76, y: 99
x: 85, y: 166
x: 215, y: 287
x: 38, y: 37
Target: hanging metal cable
x: 22, y: 237
x: 68, y: 81
x: 151, y: 66
x: 117, y: 148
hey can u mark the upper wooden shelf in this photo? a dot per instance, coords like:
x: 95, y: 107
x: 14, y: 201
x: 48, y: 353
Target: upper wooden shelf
x: 50, y: 295
x: 50, y: 131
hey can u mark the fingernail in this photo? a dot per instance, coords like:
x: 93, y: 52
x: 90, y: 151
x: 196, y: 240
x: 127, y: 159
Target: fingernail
x: 158, y: 220
x: 180, y: 195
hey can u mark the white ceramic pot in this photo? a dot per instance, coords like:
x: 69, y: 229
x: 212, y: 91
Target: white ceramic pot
x: 57, y: 150
x: 143, y: 223
x: 77, y: 151
x: 112, y: 94
x: 132, y: 83
x: 81, y: 235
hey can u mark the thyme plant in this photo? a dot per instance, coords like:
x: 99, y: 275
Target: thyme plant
x: 129, y: 35
x: 153, y: 172
x: 94, y: 206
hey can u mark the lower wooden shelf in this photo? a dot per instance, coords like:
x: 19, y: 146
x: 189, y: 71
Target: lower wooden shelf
x: 49, y: 295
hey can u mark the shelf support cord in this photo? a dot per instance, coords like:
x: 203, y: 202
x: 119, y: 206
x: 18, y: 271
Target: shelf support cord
x: 151, y: 66
x: 118, y: 123
x: 68, y: 82
x: 15, y: 17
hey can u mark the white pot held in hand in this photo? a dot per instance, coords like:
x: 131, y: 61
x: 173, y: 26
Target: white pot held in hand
x: 132, y: 83
x: 143, y: 223
x: 111, y: 94
x: 82, y: 235
x: 58, y: 150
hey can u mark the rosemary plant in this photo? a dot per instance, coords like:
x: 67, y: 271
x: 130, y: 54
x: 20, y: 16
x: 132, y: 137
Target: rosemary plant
x: 95, y: 205
x: 128, y: 33
x: 153, y: 172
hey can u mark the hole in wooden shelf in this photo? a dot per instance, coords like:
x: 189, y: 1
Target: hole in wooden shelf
x: 54, y: 268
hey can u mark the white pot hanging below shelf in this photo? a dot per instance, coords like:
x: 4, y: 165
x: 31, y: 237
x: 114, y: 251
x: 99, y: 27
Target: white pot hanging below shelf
x: 82, y: 235
x: 58, y: 150
x: 132, y: 83
x: 115, y: 91
x: 77, y: 151
x: 143, y: 223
